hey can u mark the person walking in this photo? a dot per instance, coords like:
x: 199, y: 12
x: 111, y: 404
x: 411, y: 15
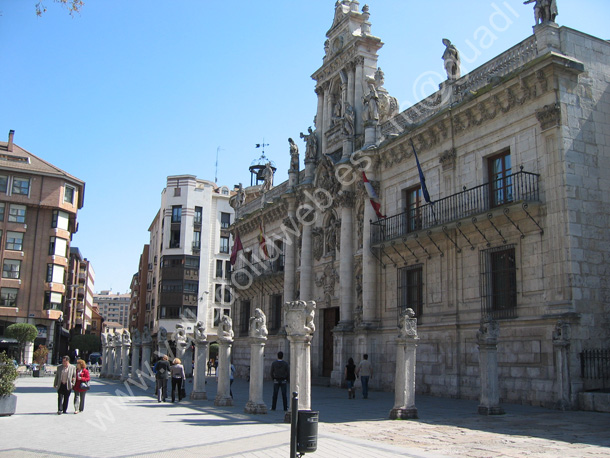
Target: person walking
x: 162, y: 370
x: 210, y: 364
x: 82, y: 375
x: 350, y: 378
x: 365, y: 372
x: 280, y: 373
x: 178, y: 378
x: 65, y: 378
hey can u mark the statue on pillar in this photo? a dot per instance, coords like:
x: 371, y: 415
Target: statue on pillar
x: 225, y: 329
x: 258, y: 324
x: 488, y: 332
x: 544, y: 10
x: 267, y: 175
x: 294, y: 155
x: 451, y: 57
x: 162, y: 336
x: 311, y: 148
x: 146, y: 337
x: 104, y: 339
x: 407, y: 325
x: 200, y: 332
x: 137, y: 337
x: 180, y: 336
x: 126, y: 338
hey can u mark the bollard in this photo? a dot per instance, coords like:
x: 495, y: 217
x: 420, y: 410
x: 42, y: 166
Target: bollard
x: 294, y: 406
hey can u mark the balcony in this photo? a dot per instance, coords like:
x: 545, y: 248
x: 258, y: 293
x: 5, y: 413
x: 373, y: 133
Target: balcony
x: 512, y: 189
x: 257, y: 270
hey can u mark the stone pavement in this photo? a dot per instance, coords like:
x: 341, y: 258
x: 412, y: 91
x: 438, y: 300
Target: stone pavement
x: 122, y: 422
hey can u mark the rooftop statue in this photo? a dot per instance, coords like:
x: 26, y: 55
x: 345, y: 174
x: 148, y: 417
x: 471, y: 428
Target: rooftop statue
x: 451, y: 56
x: 311, y: 141
x: 544, y: 10
x: 294, y: 155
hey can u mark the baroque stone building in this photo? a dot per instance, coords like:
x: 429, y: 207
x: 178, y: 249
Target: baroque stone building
x: 514, y: 232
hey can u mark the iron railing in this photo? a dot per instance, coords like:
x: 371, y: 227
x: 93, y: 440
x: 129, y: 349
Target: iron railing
x: 517, y: 187
x: 595, y: 365
x: 247, y: 273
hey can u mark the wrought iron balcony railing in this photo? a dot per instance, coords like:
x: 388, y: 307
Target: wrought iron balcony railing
x: 517, y: 187
x: 246, y: 273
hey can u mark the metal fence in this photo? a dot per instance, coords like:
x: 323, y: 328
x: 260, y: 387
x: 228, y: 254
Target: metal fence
x: 595, y: 365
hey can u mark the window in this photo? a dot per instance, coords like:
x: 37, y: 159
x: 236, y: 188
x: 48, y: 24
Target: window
x: 176, y: 213
x: 8, y: 297
x: 244, y: 317
x: 410, y: 290
x: 14, y: 241
x: 169, y: 312
x: 69, y: 193
x: 217, y: 292
x: 16, y: 213
x: 21, y: 186
x: 2, y: 205
x: 413, y: 198
x: 174, y: 241
x: 224, y: 244
x: 52, y: 301
x: 227, y: 269
x: 500, y: 179
x: 225, y: 220
x: 219, y: 264
x: 499, y: 282
x: 191, y: 287
x: 171, y: 286
x: 58, y: 247
x: 275, y: 320
x: 196, y: 240
x: 3, y: 183
x: 11, y: 268
x: 218, y: 313
x: 60, y: 220
x: 55, y: 273
x: 198, y: 215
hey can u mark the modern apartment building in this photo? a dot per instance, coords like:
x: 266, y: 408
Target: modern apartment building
x: 38, y: 207
x: 188, y: 261
x: 138, y: 307
x: 78, y: 311
x: 113, y: 307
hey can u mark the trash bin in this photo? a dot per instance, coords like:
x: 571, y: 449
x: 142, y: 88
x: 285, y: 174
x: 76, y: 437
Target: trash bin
x: 307, y: 431
x: 36, y: 373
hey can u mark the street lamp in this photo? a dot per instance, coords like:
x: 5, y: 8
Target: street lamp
x: 58, y: 324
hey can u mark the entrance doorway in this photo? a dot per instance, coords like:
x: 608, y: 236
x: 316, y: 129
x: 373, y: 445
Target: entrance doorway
x: 331, y: 319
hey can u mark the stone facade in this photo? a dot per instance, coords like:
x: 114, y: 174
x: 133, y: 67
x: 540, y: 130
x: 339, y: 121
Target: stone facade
x: 512, y: 154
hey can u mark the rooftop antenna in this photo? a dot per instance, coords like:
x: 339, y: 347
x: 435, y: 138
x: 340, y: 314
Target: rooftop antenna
x: 216, y: 171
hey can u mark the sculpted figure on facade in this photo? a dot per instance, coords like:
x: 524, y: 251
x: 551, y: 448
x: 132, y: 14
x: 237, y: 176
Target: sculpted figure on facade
x: 337, y: 108
x: 318, y: 242
x: 299, y: 317
x: 310, y: 314
x: 267, y: 177
x: 294, y: 155
x: 348, y: 120
x: 407, y: 326
x: 544, y: 10
x: 370, y: 102
x: 451, y: 57
x: 225, y: 329
x: 258, y: 324
x: 311, y: 142
x: 146, y: 337
x: 240, y: 198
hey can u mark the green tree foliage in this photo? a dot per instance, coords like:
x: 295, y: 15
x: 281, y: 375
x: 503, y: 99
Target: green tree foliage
x: 23, y: 333
x: 86, y: 343
x: 8, y: 375
x: 73, y: 6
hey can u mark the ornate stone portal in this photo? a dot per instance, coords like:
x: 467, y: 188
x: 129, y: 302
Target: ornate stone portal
x: 257, y: 337
x: 404, y: 388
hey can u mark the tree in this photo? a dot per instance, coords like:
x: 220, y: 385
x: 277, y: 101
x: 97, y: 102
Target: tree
x: 23, y: 333
x: 40, y: 355
x: 8, y: 374
x: 86, y: 343
x: 73, y: 6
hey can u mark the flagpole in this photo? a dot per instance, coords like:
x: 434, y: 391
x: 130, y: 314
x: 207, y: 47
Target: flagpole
x: 422, y: 180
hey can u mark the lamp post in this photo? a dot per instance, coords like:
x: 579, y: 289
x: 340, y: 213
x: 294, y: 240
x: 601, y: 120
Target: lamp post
x: 58, y: 324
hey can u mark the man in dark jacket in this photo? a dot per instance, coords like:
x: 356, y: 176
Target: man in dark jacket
x: 280, y: 372
x: 65, y: 378
x: 162, y: 369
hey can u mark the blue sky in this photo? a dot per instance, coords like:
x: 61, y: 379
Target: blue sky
x: 131, y: 91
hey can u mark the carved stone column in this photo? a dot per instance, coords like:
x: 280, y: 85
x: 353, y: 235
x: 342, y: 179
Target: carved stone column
x: 370, y: 265
x: 290, y: 247
x: 257, y: 338
x: 125, y: 347
x: 346, y: 259
x: 404, y: 384
x: 136, y: 347
x: 225, y: 342
x: 358, y: 91
x: 299, y: 318
x: 201, y: 360
x: 561, y: 345
x: 306, y: 280
x: 487, y: 338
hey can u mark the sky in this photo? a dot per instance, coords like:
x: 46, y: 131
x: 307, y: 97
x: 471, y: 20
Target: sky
x: 129, y: 92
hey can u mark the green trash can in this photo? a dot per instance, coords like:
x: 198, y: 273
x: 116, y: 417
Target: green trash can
x: 307, y: 431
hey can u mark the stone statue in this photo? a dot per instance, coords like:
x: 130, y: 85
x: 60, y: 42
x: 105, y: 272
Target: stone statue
x: 268, y: 177
x: 310, y: 309
x: 241, y: 196
x: 137, y: 337
x: 311, y: 141
x: 126, y: 337
x: 407, y: 325
x: 451, y: 56
x: 258, y: 324
x: 294, y: 155
x: 162, y: 336
x: 104, y: 339
x: 225, y: 329
x: 544, y: 10
x: 180, y: 336
x: 200, y: 332
x: 117, y: 338
x: 488, y: 332
x: 371, y: 105
x: 146, y: 337
x: 348, y: 120
x: 336, y: 117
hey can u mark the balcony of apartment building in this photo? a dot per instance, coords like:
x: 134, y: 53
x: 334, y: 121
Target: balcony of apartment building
x: 266, y: 269
x: 501, y: 198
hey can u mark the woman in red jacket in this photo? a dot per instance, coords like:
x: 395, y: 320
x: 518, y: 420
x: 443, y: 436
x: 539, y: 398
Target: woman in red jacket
x: 82, y: 375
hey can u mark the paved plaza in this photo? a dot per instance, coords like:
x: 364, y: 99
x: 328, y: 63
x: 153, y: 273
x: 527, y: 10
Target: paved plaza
x: 117, y: 423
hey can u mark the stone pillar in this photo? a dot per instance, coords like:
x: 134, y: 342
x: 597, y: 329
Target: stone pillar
x: 135, y: 354
x: 561, y: 345
x: 299, y: 318
x: 201, y: 363
x: 225, y: 342
x: 118, y: 344
x: 258, y: 338
x: 290, y: 246
x: 404, y: 383
x: 306, y: 263
x: 487, y: 338
x: 125, y: 347
x: 104, y: 368
x: 359, y: 86
x: 346, y: 263
x: 547, y: 38
x: 370, y: 297
x: 146, y: 354
x: 110, y: 357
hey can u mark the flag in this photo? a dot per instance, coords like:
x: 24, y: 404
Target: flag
x: 372, y: 196
x: 261, y: 241
x: 422, y: 179
x: 237, y: 247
